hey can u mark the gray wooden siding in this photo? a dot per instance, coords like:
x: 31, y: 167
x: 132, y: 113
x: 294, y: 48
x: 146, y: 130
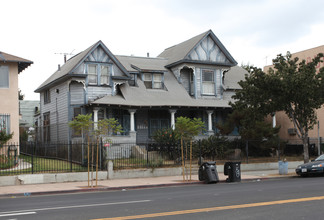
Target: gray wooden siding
x: 219, y: 87
x: 58, y: 110
x: 77, y: 93
x: 185, y: 79
x: 95, y: 92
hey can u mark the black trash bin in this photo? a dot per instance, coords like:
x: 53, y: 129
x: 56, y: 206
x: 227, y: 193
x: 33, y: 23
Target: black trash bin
x: 208, y: 172
x: 233, y: 170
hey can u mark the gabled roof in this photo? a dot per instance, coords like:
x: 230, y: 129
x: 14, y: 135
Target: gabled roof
x: 175, y: 94
x: 179, y: 53
x: 67, y: 69
x: 22, y: 63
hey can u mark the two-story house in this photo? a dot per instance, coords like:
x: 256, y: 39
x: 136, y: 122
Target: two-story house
x: 195, y: 78
x: 10, y: 67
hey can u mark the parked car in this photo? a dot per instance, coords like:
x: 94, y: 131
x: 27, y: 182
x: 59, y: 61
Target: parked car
x: 314, y: 167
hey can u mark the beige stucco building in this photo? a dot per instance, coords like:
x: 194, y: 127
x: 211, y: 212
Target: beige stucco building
x: 10, y: 67
x: 287, y: 131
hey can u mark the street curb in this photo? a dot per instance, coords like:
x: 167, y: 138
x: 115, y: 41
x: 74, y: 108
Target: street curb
x: 103, y: 189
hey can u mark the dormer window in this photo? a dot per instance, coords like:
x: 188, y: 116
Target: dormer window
x: 92, y: 74
x: 208, y: 82
x: 98, y: 74
x: 104, y: 78
x: 153, y: 80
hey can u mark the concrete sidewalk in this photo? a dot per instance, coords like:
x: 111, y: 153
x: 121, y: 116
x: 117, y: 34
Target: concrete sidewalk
x: 123, y: 184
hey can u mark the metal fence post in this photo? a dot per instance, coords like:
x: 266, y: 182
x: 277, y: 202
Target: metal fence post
x: 70, y: 147
x: 33, y: 146
x: 147, y: 155
x: 247, y: 151
x: 100, y: 155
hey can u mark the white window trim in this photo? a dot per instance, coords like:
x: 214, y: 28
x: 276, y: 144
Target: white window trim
x: 212, y: 83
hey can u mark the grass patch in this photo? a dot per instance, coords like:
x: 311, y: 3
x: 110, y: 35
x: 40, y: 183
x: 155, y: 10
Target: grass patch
x: 6, y: 162
x: 41, y: 165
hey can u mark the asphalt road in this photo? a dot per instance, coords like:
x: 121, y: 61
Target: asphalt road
x: 287, y: 198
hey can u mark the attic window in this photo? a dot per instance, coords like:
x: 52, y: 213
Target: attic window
x: 153, y: 80
x: 92, y: 74
x: 104, y: 78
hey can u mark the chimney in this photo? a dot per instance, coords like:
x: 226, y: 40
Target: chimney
x: 64, y: 58
x: 59, y: 67
x: 148, y: 54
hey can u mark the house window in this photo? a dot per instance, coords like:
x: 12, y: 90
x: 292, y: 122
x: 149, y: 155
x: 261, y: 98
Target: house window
x: 76, y: 112
x: 5, y: 123
x: 157, y: 81
x: 153, y: 81
x: 4, y: 77
x: 47, y: 96
x: 104, y: 77
x: 92, y: 74
x: 208, y: 82
x: 148, y: 80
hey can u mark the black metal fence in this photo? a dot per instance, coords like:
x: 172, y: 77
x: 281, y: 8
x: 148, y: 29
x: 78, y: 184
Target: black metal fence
x: 38, y: 157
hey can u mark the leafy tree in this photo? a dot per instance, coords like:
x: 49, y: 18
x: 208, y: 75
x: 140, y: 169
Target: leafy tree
x: 166, y: 136
x: 252, y: 126
x: 188, y: 128
x: 4, y: 137
x: 293, y: 87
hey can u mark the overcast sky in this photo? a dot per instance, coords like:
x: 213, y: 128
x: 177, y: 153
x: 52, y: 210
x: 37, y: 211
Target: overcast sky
x: 253, y: 31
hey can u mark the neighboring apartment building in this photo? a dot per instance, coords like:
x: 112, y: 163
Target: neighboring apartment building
x: 10, y: 67
x: 195, y: 78
x: 287, y: 130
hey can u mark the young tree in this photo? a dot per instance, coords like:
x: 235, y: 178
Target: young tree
x: 293, y: 87
x: 187, y: 129
x: 83, y: 124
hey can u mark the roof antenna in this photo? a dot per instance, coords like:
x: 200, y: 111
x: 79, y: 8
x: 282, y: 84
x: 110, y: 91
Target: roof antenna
x: 70, y: 54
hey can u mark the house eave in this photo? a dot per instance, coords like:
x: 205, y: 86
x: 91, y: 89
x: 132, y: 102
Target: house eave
x: 200, y: 62
x: 59, y: 80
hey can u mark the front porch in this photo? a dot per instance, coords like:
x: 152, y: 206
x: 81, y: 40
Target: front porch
x: 140, y: 124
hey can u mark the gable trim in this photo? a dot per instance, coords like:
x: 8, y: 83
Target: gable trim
x: 218, y: 43
x: 199, y: 62
x: 106, y: 50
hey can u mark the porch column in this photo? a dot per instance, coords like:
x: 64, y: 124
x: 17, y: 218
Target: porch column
x: 132, y: 119
x: 172, y: 112
x: 210, y: 125
x: 95, y: 118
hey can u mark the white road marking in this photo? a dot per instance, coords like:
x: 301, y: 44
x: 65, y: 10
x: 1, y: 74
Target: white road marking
x: 17, y: 213
x: 69, y: 207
